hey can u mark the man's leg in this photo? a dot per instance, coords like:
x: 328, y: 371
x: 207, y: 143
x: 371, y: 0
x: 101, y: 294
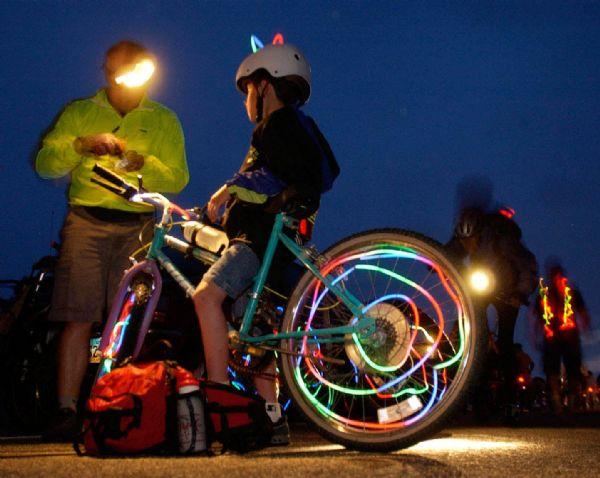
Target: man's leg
x: 551, y: 359
x: 73, y: 357
x: 571, y: 354
x: 78, y: 301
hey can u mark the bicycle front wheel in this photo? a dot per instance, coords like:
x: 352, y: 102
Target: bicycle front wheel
x: 398, y: 386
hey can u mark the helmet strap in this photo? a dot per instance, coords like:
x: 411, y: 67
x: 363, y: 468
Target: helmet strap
x: 260, y: 103
x: 259, y: 108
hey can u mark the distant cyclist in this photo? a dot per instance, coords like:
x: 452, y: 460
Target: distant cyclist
x: 560, y: 314
x: 492, y: 239
x: 288, y: 166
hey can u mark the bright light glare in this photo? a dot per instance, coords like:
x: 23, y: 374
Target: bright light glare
x: 480, y: 281
x: 137, y: 76
x: 465, y: 445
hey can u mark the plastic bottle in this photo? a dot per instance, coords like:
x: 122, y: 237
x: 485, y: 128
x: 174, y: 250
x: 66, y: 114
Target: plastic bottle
x: 190, y: 418
x: 205, y: 236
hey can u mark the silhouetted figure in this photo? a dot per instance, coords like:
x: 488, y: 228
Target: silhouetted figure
x: 560, y: 314
x: 492, y: 240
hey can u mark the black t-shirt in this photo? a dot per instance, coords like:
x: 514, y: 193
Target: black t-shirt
x: 291, y: 147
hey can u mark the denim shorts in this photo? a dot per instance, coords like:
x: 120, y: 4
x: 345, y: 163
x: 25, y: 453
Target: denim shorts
x: 235, y: 270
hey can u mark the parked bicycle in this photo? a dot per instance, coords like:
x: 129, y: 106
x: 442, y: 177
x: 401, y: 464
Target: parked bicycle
x: 378, y: 342
x: 27, y: 349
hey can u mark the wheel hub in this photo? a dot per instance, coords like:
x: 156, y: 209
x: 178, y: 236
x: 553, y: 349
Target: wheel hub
x: 388, y: 346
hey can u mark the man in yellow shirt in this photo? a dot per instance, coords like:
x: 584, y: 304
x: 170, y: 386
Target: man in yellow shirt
x: 121, y: 129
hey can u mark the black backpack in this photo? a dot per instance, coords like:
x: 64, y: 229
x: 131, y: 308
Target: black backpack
x: 523, y: 262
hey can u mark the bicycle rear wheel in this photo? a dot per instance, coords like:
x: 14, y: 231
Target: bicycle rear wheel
x: 400, y: 385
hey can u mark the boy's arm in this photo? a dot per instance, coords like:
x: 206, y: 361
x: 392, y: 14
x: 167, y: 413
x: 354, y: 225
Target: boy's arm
x: 255, y: 186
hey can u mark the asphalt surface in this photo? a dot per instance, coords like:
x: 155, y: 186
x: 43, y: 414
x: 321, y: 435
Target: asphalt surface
x: 476, y: 451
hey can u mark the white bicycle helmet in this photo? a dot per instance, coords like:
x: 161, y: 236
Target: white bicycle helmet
x: 280, y: 61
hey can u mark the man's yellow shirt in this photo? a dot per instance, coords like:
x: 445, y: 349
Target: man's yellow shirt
x: 151, y: 130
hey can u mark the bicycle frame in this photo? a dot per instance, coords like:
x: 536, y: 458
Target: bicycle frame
x: 117, y: 322
x: 364, y: 326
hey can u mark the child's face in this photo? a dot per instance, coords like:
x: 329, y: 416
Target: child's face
x: 250, y: 102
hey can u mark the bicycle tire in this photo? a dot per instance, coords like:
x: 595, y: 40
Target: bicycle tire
x: 302, y: 376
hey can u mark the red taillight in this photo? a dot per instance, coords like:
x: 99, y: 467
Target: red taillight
x: 305, y: 229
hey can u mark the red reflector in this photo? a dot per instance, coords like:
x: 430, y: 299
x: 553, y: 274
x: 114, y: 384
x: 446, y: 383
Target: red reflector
x: 303, y: 227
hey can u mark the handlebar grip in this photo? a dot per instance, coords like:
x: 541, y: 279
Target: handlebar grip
x: 110, y: 176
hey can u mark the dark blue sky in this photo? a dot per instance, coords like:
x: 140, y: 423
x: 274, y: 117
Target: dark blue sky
x: 412, y: 96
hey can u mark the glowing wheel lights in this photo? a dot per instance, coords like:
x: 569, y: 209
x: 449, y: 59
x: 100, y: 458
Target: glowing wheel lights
x: 384, y: 385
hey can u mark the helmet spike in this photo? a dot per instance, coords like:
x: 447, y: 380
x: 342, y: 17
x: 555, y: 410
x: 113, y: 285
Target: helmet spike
x: 255, y: 43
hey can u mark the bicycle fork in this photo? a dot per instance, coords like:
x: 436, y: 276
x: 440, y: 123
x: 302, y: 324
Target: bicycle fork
x: 131, y: 313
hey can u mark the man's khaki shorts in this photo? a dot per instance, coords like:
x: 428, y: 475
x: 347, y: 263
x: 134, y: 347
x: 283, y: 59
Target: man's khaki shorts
x: 93, y: 255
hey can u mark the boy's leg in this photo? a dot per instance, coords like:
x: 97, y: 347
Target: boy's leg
x: 229, y: 276
x: 266, y: 387
x: 208, y: 301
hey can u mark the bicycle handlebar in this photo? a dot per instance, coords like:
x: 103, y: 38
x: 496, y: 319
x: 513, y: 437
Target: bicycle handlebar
x: 126, y: 190
x: 110, y: 187
x: 117, y: 185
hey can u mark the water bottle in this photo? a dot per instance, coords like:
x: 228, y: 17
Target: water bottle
x: 190, y: 418
x: 205, y: 236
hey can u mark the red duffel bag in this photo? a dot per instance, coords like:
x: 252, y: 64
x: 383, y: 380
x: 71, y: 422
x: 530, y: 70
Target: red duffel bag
x: 132, y: 410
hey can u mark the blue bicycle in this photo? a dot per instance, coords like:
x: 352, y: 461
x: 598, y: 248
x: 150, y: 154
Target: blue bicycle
x: 378, y: 342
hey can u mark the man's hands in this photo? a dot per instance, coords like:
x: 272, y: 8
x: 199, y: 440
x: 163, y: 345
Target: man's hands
x: 132, y: 161
x: 216, y: 203
x: 108, y: 143
x: 99, y: 144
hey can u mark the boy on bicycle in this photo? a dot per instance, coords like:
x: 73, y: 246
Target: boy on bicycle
x: 288, y: 166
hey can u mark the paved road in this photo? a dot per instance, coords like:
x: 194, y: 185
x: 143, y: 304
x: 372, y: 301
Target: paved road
x: 484, y: 452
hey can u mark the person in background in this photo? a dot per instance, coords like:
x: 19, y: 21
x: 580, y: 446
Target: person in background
x: 121, y: 129
x: 560, y: 314
x: 491, y: 239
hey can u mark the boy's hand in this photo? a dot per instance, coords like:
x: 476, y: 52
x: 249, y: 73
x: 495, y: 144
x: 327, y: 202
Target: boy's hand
x: 216, y: 203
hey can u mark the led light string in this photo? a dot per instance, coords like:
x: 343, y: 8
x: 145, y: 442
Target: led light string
x: 318, y: 296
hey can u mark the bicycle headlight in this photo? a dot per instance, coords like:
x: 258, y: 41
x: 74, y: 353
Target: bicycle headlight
x: 481, y: 281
